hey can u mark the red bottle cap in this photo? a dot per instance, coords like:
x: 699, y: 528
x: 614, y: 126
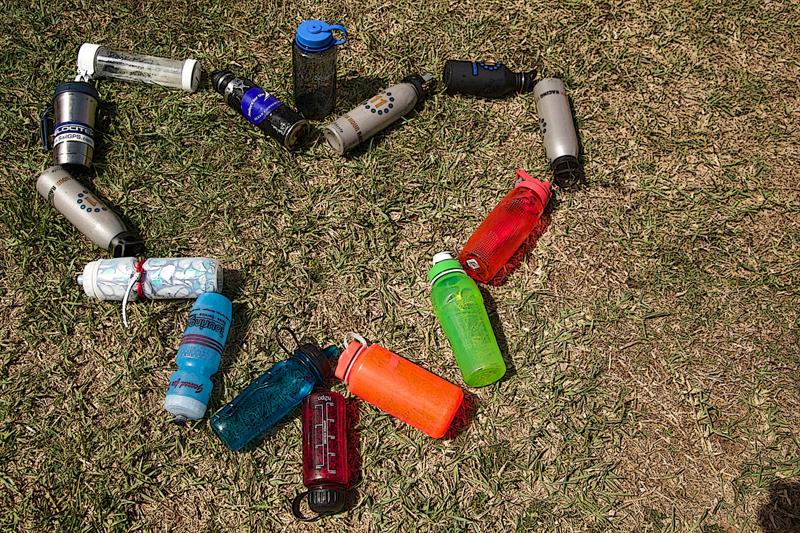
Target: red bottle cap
x: 540, y: 188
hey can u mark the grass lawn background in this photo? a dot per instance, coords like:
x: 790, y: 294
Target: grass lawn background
x: 652, y: 333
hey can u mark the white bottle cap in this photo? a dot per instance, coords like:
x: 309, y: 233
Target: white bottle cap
x: 89, y: 279
x: 190, y: 75
x: 441, y: 256
x: 86, y: 54
x: 184, y: 407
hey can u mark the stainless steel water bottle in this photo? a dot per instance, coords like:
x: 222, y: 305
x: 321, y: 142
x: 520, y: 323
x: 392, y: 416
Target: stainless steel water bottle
x: 260, y: 108
x: 87, y: 212
x: 375, y: 114
x: 74, y: 109
x: 486, y: 79
x: 558, y: 132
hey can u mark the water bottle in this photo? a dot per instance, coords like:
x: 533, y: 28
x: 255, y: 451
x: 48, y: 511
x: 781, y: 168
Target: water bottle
x: 128, y: 278
x: 506, y: 228
x: 67, y: 124
x: 87, y: 212
x: 558, y: 132
x: 96, y: 61
x: 375, y: 114
x: 485, y: 79
x: 399, y: 387
x: 273, y: 395
x: 326, y: 471
x: 260, y: 108
x: 314, y: 67
x: 458, y: 305
x: 198, y: 357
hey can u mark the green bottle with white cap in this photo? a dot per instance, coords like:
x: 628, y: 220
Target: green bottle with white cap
x: 458, y: 305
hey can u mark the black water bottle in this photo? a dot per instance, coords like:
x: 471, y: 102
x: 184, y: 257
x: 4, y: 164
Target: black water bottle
x: 260, y: 108
x: 488, y: 80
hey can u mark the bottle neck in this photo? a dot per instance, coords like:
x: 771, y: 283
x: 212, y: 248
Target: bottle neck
x: 524, y: 81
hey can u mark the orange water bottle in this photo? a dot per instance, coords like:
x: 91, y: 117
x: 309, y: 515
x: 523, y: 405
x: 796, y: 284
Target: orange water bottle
x: 398, y: 386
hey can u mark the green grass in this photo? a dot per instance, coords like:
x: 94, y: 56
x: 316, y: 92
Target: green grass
x: 654, y: 331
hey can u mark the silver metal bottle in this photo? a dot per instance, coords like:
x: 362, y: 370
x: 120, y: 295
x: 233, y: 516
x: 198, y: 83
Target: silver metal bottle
x: 375, y: 114
x: 558, y: 131
x: 74, y: 108
x: 87, y: 212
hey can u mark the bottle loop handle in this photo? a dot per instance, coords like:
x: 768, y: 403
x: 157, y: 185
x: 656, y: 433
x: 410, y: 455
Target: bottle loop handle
x: 136, y: 277
x: 337, y: 27
x: 46, y: 126
x: 298, y: 513
x: 280, y: 343
x: 353, y: 336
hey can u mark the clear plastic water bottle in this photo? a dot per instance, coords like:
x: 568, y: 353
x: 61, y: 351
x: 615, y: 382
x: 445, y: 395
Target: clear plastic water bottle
x: 198, y: 357
x: 96, y: 61
x: 314, y: 67
x: 458, y: 305
x: 273, y: 395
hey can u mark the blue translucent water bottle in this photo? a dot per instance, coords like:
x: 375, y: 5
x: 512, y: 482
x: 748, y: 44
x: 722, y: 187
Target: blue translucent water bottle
x: 273, y: 395
x: 198, y: 357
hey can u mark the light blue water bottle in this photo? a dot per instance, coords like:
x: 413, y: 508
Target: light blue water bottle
x: 198, y: 357
x: 274, y: 394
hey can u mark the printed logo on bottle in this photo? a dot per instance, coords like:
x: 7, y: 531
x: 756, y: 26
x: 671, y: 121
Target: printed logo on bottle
x: 179, y: 383
x: 257, y: 104
x: 73, y: 131
x: 472, y: 263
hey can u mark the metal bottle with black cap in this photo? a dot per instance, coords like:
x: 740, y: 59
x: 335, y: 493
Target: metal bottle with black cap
x: 70, y: 119
x: 558, y: 132
x: 485, y: 79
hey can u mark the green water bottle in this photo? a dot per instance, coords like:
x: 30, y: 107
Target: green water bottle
x: 458, y: 305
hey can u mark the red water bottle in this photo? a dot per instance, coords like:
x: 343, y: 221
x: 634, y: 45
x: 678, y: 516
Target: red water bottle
x: 326, y: 471
x: 506, y: 228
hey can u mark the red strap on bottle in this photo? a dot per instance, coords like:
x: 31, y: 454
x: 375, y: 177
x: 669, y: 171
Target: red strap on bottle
x: 138, y: 268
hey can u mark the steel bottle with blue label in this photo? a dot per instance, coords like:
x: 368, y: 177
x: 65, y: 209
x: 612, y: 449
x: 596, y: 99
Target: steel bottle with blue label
x: 198, y: 357
x: 314, y: 67
x: 70, y: 119
x: 260, y: 108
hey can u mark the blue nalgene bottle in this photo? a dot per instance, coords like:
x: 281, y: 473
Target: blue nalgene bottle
x: 273, y: 395
x: 314, y: 67
x: 198, y: 357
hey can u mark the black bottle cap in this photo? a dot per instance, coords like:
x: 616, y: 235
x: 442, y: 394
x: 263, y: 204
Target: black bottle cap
x: 418, y: 81
x: 527, y: 80
x: 125, y: 244
x: 220, y: 78
x: 326, y: 499
x: 322, y: 362
x: 77, y: 87
x: 567, y: 172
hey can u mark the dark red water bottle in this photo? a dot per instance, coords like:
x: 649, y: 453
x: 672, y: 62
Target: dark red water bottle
x: 506, y: 228
x: 326, y: 472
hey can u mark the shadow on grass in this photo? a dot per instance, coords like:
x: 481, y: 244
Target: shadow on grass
x: 464, y: 416
x: 782, y: 510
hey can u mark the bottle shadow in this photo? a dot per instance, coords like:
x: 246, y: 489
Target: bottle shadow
x: 464, y: 416
x: 525, y: 248
x: 353, y: 411
x: 499, y: 333
x: 782, y: 510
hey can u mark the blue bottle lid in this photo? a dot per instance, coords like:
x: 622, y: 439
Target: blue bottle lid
x: 315, y: 35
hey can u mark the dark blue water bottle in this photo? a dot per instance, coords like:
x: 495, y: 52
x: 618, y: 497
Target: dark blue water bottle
x: 198, y: 357
x: 273, y: 395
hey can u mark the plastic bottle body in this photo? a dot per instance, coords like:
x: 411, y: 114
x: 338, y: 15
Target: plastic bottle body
x: 506, y: 228
x: 400, y: 388
x: 86, y: 212
x: 199, y: 356
x: 314, y: 76
x: 267, y: 400
x: 326, y: 471
x: 161, y: 278
x: 458, y: 304
x: 101, y: 62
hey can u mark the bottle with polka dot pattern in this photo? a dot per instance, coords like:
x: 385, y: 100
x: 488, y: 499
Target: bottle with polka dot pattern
x: 87, y: 212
